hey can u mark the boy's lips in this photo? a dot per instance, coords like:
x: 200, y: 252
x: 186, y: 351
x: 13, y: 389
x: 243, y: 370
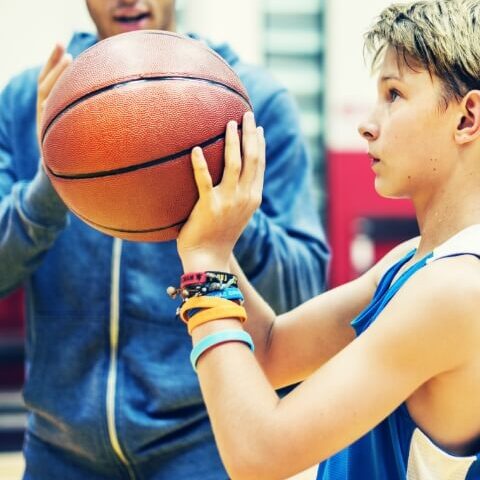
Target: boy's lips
x: 374, y: 158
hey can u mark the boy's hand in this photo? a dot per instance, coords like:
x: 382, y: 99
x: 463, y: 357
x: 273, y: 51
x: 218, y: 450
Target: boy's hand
x: 51, y: 72
x: 207, y: 239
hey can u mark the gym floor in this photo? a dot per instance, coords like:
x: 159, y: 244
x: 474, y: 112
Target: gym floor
x: 12, y: 465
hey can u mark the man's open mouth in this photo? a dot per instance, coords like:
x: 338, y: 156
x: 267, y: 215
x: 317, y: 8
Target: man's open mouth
x: 131, y: 18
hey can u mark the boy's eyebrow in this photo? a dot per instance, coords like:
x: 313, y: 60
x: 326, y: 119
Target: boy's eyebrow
x: 385, y: 78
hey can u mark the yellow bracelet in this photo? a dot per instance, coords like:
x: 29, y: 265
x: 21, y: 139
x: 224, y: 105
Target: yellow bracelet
x: 202, y: 302
x: 217, y: 313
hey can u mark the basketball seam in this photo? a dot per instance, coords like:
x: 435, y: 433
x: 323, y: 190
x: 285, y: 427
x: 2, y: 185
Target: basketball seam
x: 193, y: 41
x: 174, y: 35
x: 138, y: 166
x: 210, y: 50
x: 119, y: 230
x: 134, y: 80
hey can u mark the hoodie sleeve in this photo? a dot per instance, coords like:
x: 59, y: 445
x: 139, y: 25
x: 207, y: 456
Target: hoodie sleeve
x: 31, y: 213
x: 283, y: 249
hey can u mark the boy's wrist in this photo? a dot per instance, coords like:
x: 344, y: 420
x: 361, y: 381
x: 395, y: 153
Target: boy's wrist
x: 201, y: 261
x: 214, y: 326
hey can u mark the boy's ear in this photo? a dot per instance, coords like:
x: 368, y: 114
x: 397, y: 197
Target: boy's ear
x: 468, y: 128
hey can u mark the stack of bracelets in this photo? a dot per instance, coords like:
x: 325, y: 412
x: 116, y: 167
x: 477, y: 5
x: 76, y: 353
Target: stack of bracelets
x: 208, y: 296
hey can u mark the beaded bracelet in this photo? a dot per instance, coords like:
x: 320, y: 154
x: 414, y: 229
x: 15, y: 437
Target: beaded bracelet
x: 215, y: 339
x: 202, y: 283
x: 196, y: 278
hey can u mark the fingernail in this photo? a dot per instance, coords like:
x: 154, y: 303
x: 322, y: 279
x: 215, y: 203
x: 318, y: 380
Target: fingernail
x: 58, y: 48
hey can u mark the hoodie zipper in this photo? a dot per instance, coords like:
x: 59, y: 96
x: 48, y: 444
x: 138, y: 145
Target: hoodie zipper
x: 112, y: 369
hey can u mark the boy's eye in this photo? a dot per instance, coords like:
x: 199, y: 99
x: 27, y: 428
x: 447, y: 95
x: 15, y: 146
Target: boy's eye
x: 393, y: 94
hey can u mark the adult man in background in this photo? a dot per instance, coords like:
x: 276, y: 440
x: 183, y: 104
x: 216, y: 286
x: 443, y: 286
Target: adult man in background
x: 109, y: 387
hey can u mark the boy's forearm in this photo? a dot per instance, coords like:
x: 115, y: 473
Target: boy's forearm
x: 234, y: 387
x: 260, y: 316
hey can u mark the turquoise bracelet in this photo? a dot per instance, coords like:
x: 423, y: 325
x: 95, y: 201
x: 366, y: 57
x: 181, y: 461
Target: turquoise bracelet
x: 216, y: 339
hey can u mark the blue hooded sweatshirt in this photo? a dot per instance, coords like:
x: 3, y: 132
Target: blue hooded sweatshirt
x: 109, y: 387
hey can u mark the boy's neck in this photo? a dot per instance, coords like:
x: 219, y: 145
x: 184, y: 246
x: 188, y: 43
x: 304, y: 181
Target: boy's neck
x: 440, y: 217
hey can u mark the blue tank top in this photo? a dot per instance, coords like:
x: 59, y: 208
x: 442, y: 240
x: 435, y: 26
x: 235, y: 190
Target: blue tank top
x: 397, y: 449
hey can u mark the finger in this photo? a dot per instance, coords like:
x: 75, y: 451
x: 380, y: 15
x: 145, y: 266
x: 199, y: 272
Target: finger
x: 233, y: 159
x: 249, y: 147
x: 54, y: 57
x: 46, y: 85
x: 257, y: 184
x: 250, y: 151
x: 201, y: 173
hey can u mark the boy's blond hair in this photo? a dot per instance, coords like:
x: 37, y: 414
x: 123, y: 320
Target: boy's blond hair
x: 442, y: 36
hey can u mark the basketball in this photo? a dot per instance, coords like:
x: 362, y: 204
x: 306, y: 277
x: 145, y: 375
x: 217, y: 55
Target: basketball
x: 119, y: 126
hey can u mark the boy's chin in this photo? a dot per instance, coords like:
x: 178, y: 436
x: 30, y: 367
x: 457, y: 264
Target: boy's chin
x: 388, y: 191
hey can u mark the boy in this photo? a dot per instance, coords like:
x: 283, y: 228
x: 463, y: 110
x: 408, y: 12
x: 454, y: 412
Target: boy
x: 395, y: 393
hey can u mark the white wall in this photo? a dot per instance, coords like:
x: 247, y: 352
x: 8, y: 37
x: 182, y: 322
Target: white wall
x: 350, y: 87
x: 31, y: 27
x: 239, y: 23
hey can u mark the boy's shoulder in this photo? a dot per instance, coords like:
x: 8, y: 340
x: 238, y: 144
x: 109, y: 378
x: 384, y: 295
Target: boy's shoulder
x: 455, y: 276
x: 465, y: 243
x: 447, y: 288
x: 392, y: 257
x: 453, y: 269
x: 444, y: 295
x: 438, y: 306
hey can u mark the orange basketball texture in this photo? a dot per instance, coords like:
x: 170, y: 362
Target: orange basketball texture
x: 119, y: 126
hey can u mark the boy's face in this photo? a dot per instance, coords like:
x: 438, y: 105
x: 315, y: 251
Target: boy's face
x: 409, y: 132
x: 118, y: 16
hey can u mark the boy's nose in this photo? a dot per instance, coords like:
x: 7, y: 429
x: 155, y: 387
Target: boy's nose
x: 369, y: 131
